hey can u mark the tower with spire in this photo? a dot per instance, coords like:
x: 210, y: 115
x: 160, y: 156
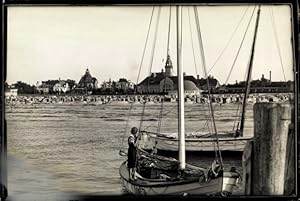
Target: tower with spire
x: 168, y: 67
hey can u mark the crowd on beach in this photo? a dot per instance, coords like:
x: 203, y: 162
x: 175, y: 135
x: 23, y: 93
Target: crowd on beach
x: 106, y: 99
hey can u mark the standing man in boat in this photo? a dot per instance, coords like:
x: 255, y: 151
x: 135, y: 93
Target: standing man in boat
x: 132, y: 152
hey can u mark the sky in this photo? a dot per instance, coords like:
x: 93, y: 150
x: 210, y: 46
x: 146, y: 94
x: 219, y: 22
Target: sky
x: 53, y: 42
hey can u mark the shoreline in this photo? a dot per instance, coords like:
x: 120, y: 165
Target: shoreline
x: 105, y: 99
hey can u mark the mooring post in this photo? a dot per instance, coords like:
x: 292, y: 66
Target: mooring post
x: 289, y: 185
x: 270, y: 148
x: 247, y: 162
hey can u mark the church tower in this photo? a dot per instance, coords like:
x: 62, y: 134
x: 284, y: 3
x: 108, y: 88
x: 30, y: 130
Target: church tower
x: 168, y: 66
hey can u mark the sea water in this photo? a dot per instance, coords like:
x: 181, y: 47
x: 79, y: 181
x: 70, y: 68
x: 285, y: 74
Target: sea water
x: 57, y: 151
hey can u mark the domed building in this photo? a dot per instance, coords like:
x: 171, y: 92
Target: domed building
x: 190, y: 88
x: 87, y: 81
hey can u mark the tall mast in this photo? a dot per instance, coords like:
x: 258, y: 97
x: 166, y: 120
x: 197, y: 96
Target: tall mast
x: 181, y: 129
x: 218, y: 151
x: 249, y: 74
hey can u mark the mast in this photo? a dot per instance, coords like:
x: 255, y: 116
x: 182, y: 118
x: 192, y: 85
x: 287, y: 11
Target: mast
x: 249, y: 75
x: 181, y: 129
x: 218, y: 151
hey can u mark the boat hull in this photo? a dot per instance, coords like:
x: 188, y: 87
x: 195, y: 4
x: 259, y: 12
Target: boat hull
x: 189, y: 187
x: 195, y: 144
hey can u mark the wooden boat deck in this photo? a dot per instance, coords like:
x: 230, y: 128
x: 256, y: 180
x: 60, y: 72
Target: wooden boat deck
x: 144, y: 182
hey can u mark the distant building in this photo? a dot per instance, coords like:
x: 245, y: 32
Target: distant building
x: 108, y: 86
x: 43, y: 89
x: 54, y: 86
x: 61, y: 87
x: 46, y: 87
x: 158, y: 82
x: 190, y: 89
x: 165, y: 82
x: 202, y: 83
x: 11, y: 91
x: 124, y: 86
x: 87, y: 82
x: 262, y: 85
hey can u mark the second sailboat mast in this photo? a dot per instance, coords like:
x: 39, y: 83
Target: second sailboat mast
x: 248, y: 80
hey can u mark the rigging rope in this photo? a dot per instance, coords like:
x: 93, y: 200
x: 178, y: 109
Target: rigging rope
x: 236, y: 117
x: 151, y: 62
x: 161, y: 107
x: 207, y: 78
x: 193, y: 50
x: 153, y: 49
x: 162, y: 114
x: 146, y: 42
x: 276, y: 39
x: 209, y: 118
x: 234, y: 62
x: 227, y: 44
x: 154, y: 41
x: 142, y: 116
x: 135, y: 90
x: 169, y: 30
x: 191, y: 35
x: 206, y: 124
x: 165, y: 77
x: 239, y: 117
x: 241, y: 44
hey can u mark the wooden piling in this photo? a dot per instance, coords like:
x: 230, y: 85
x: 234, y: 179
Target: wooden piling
x: 290, y: 183
x: 247, y: 162
x: 271, y: 130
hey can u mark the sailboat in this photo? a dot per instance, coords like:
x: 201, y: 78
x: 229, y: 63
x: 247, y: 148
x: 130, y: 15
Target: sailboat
x: 206, y: 142
x: 200, y: 141
x: 159, y: 175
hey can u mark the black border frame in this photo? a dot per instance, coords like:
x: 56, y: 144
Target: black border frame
x: 296, y: 41
x: 3, y: 137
